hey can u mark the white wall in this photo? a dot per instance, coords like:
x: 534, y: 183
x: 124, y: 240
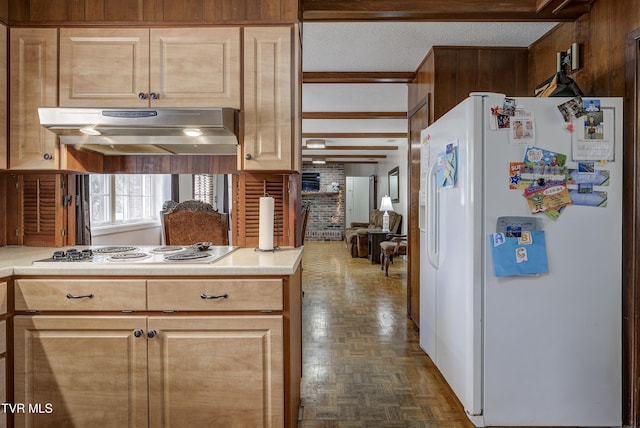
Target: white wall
x: 397, y: 158
x: 140, y: 235
x: 359, y: 170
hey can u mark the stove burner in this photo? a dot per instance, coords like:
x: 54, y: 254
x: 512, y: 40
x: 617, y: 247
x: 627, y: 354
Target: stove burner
x: 110, y: 250
x: 201, y: 246
x: 129, y: 257
x: 164, y: 250
x: 72, y: 255
x: 187, y: 256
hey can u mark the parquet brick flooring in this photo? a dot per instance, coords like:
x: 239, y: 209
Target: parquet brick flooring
x: 362, y: 362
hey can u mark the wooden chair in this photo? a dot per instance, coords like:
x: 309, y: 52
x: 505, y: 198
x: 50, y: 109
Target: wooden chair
x: 395, y: 245
x: 190, y: 222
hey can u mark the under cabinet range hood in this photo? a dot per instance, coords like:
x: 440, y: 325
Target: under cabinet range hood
x: 162, y: 131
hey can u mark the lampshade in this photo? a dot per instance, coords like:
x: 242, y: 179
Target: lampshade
x: 385, y: 204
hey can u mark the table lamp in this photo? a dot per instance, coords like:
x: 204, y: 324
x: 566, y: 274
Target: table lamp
x: 385, y: 205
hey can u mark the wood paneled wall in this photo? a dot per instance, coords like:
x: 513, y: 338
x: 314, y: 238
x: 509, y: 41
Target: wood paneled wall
x: 136, y: 12
x: 88, y: 161
x: 167, y: 164
x: 601, y: 35
x: 446, y: 77
x: 449, y: 74
x: 4, y: 11
x: 3, y: 209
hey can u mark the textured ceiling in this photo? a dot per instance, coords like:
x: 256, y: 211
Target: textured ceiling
x: 401, y: 46
x: 382, y: 47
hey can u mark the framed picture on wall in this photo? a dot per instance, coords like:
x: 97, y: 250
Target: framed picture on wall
x: 394, y: 185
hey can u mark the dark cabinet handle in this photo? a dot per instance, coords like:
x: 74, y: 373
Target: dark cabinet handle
x: 151, y: 334
x: 248, y: 156
x: 221, y: 296
x: 154, y: 95
x: 84, y: 296
x: 138, y: 332
x: 48, y: 156
x: 142, y: 96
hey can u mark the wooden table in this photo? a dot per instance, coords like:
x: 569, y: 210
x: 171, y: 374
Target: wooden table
x: 375, y: 238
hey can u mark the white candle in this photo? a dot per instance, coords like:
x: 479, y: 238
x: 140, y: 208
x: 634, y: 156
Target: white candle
x: 265, y: 232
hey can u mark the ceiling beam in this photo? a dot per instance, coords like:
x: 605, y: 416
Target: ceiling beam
x: 354, y: 115
x: 355, y: 135
x: 441, y: 10
x: 356, y: 148
x: 342, y: 162
x: 357, y: 77
x: 558, y: 6
x: 345, y: 156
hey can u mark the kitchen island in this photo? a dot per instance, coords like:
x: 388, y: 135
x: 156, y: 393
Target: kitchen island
x: 189, y: 344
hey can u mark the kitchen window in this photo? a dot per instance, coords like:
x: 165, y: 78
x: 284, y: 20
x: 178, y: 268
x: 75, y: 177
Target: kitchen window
x: 127, y: 199
x: 205, y: 188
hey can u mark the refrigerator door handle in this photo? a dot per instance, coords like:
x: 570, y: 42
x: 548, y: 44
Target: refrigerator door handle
x: 433, y: 237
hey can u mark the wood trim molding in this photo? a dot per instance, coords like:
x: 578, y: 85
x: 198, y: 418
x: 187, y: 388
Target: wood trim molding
x: 367, y: 148
x: 355, y: 155
x: 630, y: 243
x: 443, y: 10
x: 355, y: 115
x: 342, y: 162
x: 357, y: 77
x: 355, y: 135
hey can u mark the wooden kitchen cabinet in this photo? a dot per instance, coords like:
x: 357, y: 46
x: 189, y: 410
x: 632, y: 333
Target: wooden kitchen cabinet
x: 217, y: 370
x: 225, y: 371
x: 202, y: 371
x: 158, y: 67
x: 234, y: 359
x: 79, y: 295
x: 270, y: 139
x: 81, y: 371
x: 33, y: 78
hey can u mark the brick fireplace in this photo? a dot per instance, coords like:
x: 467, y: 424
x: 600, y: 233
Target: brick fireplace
x: 327, y: 216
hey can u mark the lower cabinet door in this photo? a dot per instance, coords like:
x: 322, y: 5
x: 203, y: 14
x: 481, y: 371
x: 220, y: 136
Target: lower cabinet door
x: 216, y: 371
x: 80, y: 371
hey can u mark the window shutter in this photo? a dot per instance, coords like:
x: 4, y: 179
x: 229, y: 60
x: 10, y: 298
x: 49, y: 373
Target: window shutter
x: 247, y: 214
x: 43, y: 218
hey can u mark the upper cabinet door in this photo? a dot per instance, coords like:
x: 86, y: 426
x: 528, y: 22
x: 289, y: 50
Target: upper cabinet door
x: 104, y: 67
x: 33, y: 84
x: 268, y: 105
x: 195, y: 67
x: 182, y: 67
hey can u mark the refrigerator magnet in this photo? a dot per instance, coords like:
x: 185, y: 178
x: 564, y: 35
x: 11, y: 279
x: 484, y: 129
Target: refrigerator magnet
x: 447, y: 167
x: 512, y: 257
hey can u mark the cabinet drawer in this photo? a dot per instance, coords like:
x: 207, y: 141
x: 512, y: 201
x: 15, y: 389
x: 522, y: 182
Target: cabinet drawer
x: 215, y: 295
x: 79, y: 295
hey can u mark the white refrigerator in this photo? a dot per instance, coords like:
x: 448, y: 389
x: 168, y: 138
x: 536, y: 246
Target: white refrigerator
x: 525, y: 350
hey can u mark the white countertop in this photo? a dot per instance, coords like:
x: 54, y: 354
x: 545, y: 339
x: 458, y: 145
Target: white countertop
x: 16, y: 260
